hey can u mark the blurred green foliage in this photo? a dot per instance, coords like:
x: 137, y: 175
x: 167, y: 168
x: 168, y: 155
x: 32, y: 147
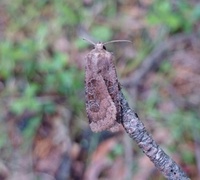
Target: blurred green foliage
x: 34, y: 72
x: 3, y: 136
x: 103, y: 33
x: 174, y: 16
x: 116, y: 152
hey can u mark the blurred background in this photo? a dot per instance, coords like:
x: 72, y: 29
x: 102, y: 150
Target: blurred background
x: 44, y: 131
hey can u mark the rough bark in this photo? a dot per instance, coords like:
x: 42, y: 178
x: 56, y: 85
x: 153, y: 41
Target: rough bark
x: 136, y: 130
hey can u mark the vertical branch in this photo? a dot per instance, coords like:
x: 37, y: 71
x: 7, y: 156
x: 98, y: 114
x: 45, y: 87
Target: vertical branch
x: 136, y: 130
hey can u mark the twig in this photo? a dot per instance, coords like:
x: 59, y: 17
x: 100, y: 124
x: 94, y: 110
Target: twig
x: 136, y: 130
x: 197, y: 150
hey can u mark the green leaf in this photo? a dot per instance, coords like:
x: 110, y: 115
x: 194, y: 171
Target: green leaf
x: 33, y: 124
x: 80, y: 43
x: 101, y: 33
x: 19, y: 105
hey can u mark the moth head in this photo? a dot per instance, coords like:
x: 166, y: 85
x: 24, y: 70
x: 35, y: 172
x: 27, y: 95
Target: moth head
x: 99, y: 46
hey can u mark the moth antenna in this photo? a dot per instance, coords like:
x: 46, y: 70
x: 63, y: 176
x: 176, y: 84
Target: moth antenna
x: 114, y: 41
x: 89, y: 41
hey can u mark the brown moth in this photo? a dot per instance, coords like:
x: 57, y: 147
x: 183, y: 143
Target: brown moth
x: 102, y: 88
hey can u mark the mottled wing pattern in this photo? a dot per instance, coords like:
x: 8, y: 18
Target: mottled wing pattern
x: 102, y: 87
x: 112, y: 85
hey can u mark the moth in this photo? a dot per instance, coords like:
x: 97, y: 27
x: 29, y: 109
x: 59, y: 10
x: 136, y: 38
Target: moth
x: 102, y: 88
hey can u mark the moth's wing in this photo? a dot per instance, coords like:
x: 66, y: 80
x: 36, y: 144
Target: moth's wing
x: 100, y: 108
x: 111, y: 81
x: 116, y: 127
